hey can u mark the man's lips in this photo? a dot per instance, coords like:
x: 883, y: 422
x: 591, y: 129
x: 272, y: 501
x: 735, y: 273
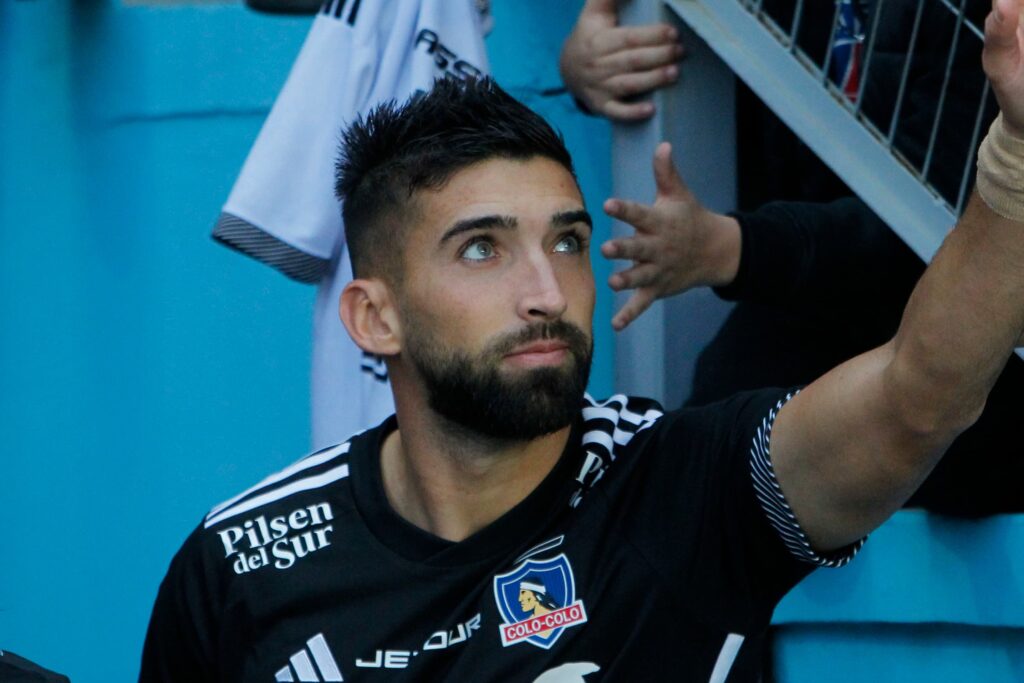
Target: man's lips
x: 541, y: 352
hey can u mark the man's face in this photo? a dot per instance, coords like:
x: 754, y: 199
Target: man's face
x: 527, y: 600
x: 498, y: 296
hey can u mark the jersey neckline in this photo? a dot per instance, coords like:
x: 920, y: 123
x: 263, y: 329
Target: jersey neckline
x: 505, y: 533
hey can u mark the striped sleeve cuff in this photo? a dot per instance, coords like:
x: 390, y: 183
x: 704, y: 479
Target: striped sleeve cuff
x: 245, y: 237
x: 777, y: 510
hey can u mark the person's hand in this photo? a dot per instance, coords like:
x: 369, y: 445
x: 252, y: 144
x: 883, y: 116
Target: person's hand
x: 1003, y: 60
x: 678, y: 243
x: 604, y: 65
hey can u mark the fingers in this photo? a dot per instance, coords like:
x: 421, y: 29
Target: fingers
x: 1003, y: 60
x: 627, y: 85
x: 600, y: 7
x: 630, y: 248
x: 629, y: 212
x: 640, y: 82
x: 1001, y: 56
x: 637, y: 304
x: 626, y: 37
x: 666, y: 177
x: 626, y: 111
x: 643, y: 275
x: 641, y: 59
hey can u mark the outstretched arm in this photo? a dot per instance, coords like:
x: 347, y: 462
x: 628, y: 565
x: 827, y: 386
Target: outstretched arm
x: 678, y: 243
x: 811, y: 255
x: 604, y: 65
x: 853, y: 446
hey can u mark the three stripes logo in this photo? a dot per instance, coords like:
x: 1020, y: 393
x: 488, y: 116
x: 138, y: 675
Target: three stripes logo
x: 301, y: 667
x: 336, y: 8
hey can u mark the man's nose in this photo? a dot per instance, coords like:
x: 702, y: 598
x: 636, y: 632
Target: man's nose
x: 541, y: 296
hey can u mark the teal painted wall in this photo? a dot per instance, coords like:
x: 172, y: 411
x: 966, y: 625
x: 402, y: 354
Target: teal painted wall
x: 930, y: 598
x: 146, y: 373
x: 899, y: 653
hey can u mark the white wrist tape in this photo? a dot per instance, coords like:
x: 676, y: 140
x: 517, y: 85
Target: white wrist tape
x: 1001, y: 172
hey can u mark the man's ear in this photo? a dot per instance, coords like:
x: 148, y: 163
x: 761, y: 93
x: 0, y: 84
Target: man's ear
x: 369, y: 314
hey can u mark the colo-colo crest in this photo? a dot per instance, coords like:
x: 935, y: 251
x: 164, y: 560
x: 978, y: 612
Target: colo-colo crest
x: 537, y: 601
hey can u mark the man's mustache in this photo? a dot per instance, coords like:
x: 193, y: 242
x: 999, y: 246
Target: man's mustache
x: 561, y: 330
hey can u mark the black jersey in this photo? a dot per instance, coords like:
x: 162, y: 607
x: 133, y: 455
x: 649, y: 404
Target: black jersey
x: 656, y: 549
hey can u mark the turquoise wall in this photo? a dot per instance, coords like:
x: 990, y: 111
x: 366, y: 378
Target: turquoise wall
x: 930, y: 598
x: 146, y: 373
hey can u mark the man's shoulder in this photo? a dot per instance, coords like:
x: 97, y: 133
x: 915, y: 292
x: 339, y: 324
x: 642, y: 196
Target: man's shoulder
x: 309, y: 498
x: 314, y: 472
x: 612, y: 425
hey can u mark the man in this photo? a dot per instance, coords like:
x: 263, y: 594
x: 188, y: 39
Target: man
x: 667, y: 539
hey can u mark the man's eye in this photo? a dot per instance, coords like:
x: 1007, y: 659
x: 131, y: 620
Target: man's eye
x: 569, y: 244
x: 478, y: 250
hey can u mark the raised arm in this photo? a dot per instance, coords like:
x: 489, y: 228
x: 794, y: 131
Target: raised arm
x: 853, y: 446
x: 820, y: 256
x: 678, y: 244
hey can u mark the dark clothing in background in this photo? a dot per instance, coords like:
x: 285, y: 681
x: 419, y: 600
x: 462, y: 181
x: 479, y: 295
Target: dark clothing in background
x: 819, y: 283
x: 822, y: 278
x: 774, y: 165
x: 15, y: 669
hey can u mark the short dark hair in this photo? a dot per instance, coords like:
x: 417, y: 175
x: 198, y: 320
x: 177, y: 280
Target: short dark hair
x: 397, y: 149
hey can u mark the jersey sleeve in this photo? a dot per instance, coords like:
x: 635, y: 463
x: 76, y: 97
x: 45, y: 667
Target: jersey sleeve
x: 711, y: 514
x: 775, y: 506
x: 282, y: 209
x: 181, y: 639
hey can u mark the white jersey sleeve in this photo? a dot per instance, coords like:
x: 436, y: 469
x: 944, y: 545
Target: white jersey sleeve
x: 358, y: 53
x: 282, y: 209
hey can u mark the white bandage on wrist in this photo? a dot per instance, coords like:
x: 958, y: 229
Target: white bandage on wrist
x: 1001, y: 172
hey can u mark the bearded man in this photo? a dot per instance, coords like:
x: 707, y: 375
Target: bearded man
x: 663, y: 540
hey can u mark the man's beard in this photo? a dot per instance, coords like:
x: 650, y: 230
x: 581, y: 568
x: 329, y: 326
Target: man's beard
x: 475, y: 393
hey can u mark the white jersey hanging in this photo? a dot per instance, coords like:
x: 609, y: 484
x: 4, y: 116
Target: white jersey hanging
x: 282, y: 209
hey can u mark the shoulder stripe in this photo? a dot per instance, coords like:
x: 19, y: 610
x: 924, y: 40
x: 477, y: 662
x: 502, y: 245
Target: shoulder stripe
x: 611, y: 423
x: 305, y: 463
x: 606, y: 425
x: 600, y: 412
x: 307, y: 484
x: 775, y: 506
x: 240, y: 235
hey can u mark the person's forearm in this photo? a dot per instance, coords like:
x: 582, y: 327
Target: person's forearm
x: 855, y: 444
x: 722, y: 250
x: 960, y: 325
x: 838, y: 252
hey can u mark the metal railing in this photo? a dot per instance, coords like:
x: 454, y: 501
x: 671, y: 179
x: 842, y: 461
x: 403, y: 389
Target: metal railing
x: 903, y: 136
x: 938, y: 54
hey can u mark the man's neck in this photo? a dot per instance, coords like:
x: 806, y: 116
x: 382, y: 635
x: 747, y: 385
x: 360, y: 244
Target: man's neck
x: 453, y: 483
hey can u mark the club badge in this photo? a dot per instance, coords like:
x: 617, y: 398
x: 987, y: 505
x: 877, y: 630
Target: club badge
x: 537, y: 601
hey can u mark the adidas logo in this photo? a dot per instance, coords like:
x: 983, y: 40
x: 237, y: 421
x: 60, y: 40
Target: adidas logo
x: 300, y: 666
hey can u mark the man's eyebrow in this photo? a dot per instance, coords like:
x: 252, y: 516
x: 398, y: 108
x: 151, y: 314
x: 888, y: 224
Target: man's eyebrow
x: 480, y: 223
x: 566, y: 218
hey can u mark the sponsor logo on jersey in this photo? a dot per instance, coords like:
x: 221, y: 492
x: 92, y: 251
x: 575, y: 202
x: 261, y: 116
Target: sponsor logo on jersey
x: 300, y: 666
x: 438, y: 640
x: 444, y: 59
x: 277, y: 542
x: 537, y: 601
